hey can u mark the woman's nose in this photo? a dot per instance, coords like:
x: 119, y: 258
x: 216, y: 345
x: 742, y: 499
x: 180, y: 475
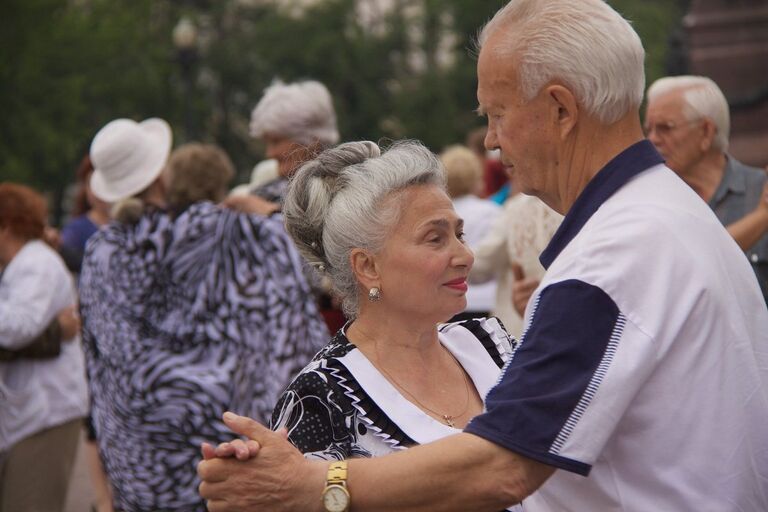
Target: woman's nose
x: 464, y: 256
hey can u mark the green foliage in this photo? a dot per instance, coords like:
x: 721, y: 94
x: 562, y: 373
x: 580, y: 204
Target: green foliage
x: 69, y: 66
x: 654, y: 21
x: 66, y: 70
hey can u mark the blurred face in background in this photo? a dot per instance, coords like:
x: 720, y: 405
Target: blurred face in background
x: 288, y: 153
x: 682, y: 142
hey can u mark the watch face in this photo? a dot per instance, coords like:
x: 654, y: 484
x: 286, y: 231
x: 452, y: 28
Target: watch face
x: 335, y: 499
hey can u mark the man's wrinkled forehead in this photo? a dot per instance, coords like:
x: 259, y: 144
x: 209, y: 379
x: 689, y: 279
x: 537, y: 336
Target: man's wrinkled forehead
x: 671, y: 103
x: 496, y: 71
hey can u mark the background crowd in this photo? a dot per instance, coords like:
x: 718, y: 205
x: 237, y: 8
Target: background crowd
x: 168, y: 296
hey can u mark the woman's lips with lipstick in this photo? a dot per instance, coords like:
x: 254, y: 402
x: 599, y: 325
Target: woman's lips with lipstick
x: 458, y: 284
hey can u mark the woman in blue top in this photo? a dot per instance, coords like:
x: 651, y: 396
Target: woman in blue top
x: 88, y: 215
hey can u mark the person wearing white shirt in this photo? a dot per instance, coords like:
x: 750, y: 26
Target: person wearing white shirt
x: 509, y: 254
x: 463, y: 174
x: 42, y: 401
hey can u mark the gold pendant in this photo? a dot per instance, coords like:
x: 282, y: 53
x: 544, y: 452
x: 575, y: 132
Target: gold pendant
x: 449, y: 420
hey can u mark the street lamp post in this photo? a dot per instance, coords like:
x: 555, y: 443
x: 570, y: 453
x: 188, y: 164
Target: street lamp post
x: 185, y: 41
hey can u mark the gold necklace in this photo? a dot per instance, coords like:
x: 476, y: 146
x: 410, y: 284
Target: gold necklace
x: 447, y: 418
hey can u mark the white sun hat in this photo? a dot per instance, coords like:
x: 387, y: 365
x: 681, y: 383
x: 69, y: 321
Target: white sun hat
x: 128, y: 156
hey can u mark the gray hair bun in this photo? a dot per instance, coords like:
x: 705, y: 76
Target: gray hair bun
x: 128, y: 210
x: 311, y: 192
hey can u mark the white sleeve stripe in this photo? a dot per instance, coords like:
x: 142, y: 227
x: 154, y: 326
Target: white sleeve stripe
x: 594, y: 383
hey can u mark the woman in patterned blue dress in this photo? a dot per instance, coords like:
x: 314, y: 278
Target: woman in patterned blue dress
x: 189, y: 309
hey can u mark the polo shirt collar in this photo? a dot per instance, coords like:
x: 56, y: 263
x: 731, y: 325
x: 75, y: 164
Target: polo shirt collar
x: 733, y: 181
x: 616, y: 173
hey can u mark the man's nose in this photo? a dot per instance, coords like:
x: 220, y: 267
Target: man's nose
x: 653, y: 136
x: 491, y: 142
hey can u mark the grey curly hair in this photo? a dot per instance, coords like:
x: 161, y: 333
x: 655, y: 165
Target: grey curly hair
x: 343, y: 200
x: 301, y: 111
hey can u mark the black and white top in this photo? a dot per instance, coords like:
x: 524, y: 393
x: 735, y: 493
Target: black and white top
x: 341, y: 406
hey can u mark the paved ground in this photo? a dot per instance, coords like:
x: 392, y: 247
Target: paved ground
x: 80, y: 494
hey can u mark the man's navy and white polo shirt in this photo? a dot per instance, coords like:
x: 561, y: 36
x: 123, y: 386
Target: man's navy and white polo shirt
x: 645, y: 359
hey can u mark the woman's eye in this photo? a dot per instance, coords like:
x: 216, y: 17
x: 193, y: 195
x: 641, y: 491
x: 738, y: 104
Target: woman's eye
x: 460, y: 236
x: 433, y: 237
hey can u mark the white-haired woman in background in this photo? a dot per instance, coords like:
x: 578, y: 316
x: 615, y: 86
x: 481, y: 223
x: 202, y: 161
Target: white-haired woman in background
x: 383, y: 229
x: 295, y: 121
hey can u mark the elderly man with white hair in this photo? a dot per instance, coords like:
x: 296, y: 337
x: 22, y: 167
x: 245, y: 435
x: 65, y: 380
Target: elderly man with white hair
x: 687, y: 119
x: 640, y: 382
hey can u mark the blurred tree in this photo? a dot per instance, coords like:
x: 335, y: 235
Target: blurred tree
x: 68, y: 68
x: 396, y: 68
x: 654, y: 21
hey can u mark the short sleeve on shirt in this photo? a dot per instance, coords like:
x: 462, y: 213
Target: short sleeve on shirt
x: 547, y: 405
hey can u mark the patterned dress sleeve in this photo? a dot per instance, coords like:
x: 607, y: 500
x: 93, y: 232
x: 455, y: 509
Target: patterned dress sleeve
x: 317, y: 416
x: 490, y: 332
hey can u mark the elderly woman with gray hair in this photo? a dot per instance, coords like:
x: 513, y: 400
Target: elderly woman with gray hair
x: 383, y: 229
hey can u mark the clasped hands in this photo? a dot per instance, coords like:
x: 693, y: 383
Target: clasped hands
x: 264, y: 472
x: 237, y: 448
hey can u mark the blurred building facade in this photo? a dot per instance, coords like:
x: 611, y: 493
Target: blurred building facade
x: 727, y: 40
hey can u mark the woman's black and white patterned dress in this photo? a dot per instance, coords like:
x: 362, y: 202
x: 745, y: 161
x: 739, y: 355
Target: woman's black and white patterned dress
x: 341, y: 406
x: 184, y: 319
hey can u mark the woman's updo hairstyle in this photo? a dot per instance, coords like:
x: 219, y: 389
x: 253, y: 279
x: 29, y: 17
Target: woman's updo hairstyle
x: 345, y: 199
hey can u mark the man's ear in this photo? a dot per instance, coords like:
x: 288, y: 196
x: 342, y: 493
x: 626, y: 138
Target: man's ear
x: 708, y: 137
x: 364, y: 266
x: 564, y: 108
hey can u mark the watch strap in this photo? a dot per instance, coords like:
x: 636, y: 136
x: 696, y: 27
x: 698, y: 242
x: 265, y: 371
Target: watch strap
x: 337, y: 473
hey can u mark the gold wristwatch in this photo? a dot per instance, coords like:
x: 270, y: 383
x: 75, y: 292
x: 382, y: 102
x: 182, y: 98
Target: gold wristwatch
x: 335, y: 495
